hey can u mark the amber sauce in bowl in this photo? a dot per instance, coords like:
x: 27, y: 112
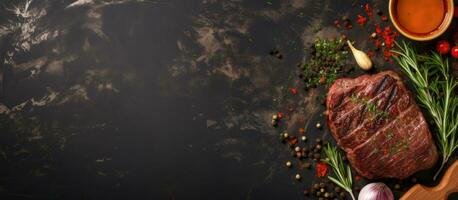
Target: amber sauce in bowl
x: 421, y: 19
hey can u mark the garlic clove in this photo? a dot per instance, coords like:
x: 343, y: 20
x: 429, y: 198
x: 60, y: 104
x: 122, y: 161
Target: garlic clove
x: 361, y: 58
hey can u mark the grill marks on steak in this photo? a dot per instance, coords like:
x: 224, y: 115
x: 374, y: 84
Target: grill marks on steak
x: 376, y: 121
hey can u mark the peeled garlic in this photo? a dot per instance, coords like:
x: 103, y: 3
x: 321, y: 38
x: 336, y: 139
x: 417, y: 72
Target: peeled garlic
x: 361, y: 58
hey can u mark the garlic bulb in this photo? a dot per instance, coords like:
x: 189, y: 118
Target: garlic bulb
x: 375, y: 191
x: 361, y: 58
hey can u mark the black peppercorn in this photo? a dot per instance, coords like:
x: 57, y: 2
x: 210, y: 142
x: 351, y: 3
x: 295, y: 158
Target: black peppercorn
x: 322, y: 185
x: 308, y: 165
x: 318, y: 194
x: 337, y: 189
x: 306, y: 193
x: 342, y: 194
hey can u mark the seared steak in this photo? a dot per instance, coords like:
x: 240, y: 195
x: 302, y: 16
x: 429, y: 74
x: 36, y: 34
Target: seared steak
x: 375, y: 120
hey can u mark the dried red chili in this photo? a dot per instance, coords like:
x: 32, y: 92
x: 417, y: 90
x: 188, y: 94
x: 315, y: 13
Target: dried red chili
x: 293, y: 90
x: 321, y: 169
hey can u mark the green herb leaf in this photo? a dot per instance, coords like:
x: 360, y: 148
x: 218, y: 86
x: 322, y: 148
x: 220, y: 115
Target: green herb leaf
x: 343, y: 173
x: 436, y: 91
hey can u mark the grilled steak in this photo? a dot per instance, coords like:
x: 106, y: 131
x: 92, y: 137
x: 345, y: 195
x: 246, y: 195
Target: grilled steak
x: 375, y: 120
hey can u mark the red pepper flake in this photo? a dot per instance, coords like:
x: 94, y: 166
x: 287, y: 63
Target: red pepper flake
x: 321, y: 169
x: 386, y: 55
x: 293, y: 90
x: 371, y: 54
x: 337, y: 23
x: 378, y: 43
x: 361, y: 20
x: 384, y: 18
x: 358, y: 177
x: 322, y: 80
x: 301, y: 131
x: 368, y: 10
x: 280, y: 115
x: 348, y: 25
x: 378, y: 30
x: 294, y: 140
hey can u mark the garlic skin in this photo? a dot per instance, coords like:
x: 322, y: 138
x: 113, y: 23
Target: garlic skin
x: 361, y: 58
x: 375, y: 191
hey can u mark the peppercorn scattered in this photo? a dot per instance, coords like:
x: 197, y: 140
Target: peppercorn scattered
x: 303, y: 138
x: 318, y: 125
x: 288, y: 164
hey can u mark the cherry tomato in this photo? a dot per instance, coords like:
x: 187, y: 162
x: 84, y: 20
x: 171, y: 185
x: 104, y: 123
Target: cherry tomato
x: 443, y: 47
x: 455, y: 52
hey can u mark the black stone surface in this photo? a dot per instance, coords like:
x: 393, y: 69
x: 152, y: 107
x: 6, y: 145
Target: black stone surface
x: 166, y: 99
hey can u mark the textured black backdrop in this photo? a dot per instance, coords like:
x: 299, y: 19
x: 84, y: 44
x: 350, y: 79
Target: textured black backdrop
x: 154, y: 99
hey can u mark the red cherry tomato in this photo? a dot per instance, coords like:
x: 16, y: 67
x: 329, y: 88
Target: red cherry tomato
x: 443, y: 47
x: 455, y: 52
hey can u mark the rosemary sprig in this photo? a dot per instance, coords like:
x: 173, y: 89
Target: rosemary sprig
x: 436, y: 93
x: 343, y: 173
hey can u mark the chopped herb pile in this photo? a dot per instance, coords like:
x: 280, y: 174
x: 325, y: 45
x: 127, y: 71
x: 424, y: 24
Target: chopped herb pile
x: 328, y: 60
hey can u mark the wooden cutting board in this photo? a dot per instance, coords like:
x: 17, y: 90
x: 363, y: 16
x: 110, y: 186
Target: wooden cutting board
x: 447, y: 186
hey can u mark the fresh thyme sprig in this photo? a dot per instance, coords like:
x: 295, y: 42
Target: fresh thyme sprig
x: 343, y: 173
x: 436, y: 93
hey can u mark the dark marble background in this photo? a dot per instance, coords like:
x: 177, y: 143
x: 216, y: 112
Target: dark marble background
x: 154, y: 99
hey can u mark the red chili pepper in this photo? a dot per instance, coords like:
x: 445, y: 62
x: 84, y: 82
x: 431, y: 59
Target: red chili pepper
x: 384, y: 18
x: 279, y: 115
x: 321, y: 169
x: 293, y: 90
x: 361, y: 20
